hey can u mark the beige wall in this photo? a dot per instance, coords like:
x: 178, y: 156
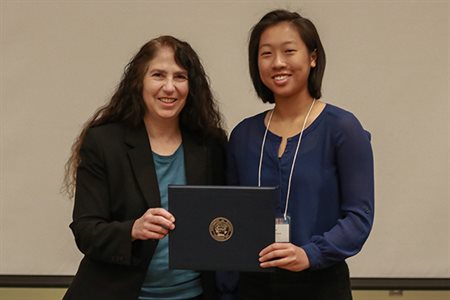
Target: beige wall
x: 388, y: 62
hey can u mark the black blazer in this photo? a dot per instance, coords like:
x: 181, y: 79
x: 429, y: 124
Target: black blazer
x: 116, y: 184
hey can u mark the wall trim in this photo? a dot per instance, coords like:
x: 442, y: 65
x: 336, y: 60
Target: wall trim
x: 63, y: 281
x: 40, y: 281
x: 400, y: 283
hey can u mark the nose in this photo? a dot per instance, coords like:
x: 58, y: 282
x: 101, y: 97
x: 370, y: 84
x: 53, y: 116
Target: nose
x: 278, y: 61
x: 169, y: 86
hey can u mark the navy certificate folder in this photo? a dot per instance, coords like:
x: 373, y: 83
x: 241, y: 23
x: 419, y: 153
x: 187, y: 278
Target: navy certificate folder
x: 220, y: 227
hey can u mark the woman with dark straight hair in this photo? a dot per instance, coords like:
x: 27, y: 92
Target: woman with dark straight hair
x: 318, y: 155
x: 161, y: 127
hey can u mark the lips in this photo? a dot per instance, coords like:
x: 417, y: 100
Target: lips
x: 167, y: 100
x: 280, y: 77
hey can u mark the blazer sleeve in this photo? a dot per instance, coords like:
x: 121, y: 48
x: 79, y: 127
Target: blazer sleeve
x: 97, y: 235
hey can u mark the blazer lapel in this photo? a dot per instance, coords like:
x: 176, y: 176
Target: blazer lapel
x: 141, y: 159
x: 195, y: 160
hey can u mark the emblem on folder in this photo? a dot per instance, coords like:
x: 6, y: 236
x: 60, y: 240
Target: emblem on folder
x: 221, y: 229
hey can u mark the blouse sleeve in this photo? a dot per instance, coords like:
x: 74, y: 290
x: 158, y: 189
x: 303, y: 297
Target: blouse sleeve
x: 354, y: 159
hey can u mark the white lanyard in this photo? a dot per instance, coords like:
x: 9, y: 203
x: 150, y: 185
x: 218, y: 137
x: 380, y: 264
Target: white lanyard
x: 293, y: 161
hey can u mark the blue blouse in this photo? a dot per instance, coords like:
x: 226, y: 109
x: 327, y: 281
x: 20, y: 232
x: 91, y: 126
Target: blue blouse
x: 331, y: 203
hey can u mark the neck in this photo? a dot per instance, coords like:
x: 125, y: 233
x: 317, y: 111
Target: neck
x: 162, y: 129
x: 289, y: 109
x: 165, y: 136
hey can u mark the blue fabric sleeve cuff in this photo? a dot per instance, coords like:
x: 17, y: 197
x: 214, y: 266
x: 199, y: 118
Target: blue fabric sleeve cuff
x: 313, y: 253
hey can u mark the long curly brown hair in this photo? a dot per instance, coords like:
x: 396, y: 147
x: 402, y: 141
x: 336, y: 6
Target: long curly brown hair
x: 200, y: 114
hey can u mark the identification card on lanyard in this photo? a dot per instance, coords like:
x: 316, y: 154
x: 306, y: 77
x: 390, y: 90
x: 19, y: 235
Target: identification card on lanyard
x: 282, y: 229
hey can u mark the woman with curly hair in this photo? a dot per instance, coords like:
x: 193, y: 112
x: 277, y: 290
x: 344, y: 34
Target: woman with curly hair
x: 161, y: 126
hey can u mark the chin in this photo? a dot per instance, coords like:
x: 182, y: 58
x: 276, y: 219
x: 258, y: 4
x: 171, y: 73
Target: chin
x: 171, y: 116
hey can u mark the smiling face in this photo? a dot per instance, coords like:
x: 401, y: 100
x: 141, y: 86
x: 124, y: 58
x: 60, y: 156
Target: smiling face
x: 284, y: 61
x: 165, y: 87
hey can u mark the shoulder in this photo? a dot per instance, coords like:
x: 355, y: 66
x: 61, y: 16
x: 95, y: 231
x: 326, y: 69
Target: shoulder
x: 248, y: 125
x: 105, y: 134
x: 109, y: 128
x: 99, y: 142
x: 339, y: 115
x: 344, y: 122
x: 341, y: 118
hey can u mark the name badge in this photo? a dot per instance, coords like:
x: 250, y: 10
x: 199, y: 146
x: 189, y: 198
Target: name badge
x: 282, y: 230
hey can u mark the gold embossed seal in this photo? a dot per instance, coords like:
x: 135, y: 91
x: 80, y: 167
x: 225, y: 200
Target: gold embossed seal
x: 221, y: 229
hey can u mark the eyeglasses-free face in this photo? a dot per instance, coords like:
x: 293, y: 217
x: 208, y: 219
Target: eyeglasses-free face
x: 284, y: 61
x: 165, y: 87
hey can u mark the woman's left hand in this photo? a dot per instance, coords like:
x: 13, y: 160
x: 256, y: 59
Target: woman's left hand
x: 285, y: 256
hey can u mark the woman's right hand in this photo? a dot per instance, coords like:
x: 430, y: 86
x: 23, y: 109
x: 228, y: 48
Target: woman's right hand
x: 155, y: 223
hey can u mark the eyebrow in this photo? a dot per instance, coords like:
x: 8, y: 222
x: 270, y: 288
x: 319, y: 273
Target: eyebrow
x: 270, y: 45
x: 182, y: 72
x: 156, y: 70
x: 165, y: 72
